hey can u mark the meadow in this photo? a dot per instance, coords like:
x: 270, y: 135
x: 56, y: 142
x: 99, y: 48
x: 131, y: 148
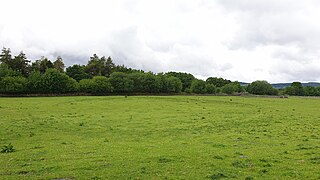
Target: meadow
x: 160, y: 137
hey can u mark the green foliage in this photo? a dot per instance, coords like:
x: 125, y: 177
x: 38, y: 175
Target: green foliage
x: 18, y: 64
x: 151, y: 83
x: 230, y: 88
x: 311, y: 91
x: 5, y: 71
x: 121, y: 82
x: 123, y: 79
x: 261, y: 88
x: 86, y: 85
x: 58, y: 64
x: 99, y: 66
x: 96, y: 85
x: 77, y: 72
x: 5, y: 56
x: 54, y: 81
x: 7, y: 148
x: 123, y: 68
x: 42, y: 65
x: 137, y: 78
x: 35, y: 83
x: 211, y: 89
x: 198, y: 86
x: 218, y: 82
x: 12, y: 85
x: 172, y: 84
x: 101, y: 85
x: 185, y: 78
x: 295, y: 89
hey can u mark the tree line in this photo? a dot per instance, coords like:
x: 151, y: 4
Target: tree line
x: 100, y: 75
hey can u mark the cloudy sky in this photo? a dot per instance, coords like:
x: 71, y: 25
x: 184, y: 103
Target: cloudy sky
x: 244, y: 40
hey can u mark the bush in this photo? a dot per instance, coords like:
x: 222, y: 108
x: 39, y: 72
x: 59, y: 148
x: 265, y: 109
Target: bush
x: 174, y: 84
x: 13, y: 85
x: 211, y: 89
x: 54, y: 81
x: 101, y: 84
x: 86, y: 85
x: 295, y: 89
x: 7, y: 148
x: 151, y: 83
x: 35, y: 83
x: 198, y: 86
x: 121, y: 82
x: 261, y: 88
x: 229, y: 88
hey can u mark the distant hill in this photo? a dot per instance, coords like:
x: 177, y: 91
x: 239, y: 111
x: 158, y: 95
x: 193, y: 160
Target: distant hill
x: 284, y: 85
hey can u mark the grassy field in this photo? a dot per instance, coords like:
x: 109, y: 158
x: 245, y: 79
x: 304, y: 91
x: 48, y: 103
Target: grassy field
x: 168, y: 137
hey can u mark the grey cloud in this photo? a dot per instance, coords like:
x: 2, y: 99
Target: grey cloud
x: 195, y: 62
x: 289, y: 27
x: 295, y: 71
x: 283, y: 22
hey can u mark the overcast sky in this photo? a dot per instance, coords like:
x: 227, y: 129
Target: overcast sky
x: 244, y: 40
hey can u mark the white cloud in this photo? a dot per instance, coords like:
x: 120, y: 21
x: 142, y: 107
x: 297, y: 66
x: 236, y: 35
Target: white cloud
x: 241, y: 40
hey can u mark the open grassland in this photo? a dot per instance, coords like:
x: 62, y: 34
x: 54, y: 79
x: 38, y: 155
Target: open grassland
x: 168, y: 137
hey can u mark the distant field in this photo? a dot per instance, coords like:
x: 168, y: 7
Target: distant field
x: 167, y: 137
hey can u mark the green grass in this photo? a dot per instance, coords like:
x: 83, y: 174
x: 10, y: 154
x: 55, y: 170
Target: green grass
x: 171, y: 137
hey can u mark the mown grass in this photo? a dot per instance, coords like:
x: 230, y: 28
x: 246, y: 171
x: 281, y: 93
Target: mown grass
x: 168, y: 137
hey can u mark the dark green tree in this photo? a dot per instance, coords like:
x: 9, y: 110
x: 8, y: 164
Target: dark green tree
x: 137, y: 78
x: 150, y: 83
x: 218, y: 82
x: 296, y: 89
x: 41, y: 65
x: 185, y: 78
x: 77, y: 72
x: 56, y: 82
x: 198, y: 86
x: 101, y: 85
x: 58, y: 64
x: 261, y: 88
x: 12, y: 85
x: 20, y: 63
x: 311, y: 91
x: 230, y: 88
x: 86, y: 86
x: 173, y: 84
x: 210, y: 88
x: 35, y: 83
x: 99, y: 66
x: 109, y: 66
x: 5, y: 71
x: 121, y: 82
x: 5, y: 56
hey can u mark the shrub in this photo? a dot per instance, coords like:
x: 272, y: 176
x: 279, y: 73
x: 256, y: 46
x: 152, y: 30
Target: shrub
x: 7, y: 148
x: 86, y: 85
x: 211, y: 89
x: 56, y: 82
x: 121, y: 82
x: 261, y: 88
x: 35, y: 83
x: 101, y: 84
x: 12, y: 85
x: 228, y: 89
x: 198, y: 86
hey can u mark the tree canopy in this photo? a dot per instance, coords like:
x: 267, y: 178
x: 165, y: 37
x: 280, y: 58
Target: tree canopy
x: 19, y: 75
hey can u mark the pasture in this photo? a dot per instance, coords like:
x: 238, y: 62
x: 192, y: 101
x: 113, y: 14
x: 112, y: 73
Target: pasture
x: 160, y: 137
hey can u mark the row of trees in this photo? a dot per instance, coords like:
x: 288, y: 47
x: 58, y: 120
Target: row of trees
x: 100, y: 75
x: 296, y: 89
